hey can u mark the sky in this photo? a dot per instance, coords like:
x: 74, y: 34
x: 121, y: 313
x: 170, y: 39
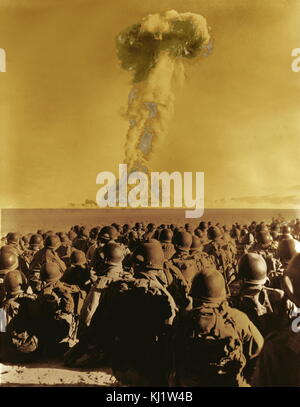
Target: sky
x: 64, y: 95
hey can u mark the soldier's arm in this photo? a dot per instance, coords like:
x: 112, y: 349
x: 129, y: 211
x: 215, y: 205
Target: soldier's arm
x: 250, y: 336
x: 35, y: 263
x: 92, y: 301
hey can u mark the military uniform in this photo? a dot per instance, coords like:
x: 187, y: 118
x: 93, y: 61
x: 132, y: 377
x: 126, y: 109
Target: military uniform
x: 279, y: 361
x: 46, y: 255
x: 197, y: 364
x: 267, y: 308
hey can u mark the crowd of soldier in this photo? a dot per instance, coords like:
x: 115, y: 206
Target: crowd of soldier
x: 160, y: 305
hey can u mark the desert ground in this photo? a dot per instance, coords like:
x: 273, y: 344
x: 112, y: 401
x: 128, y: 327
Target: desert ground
x: 53, y: 374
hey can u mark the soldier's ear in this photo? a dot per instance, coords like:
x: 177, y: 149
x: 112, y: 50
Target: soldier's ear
x: 268, y: 282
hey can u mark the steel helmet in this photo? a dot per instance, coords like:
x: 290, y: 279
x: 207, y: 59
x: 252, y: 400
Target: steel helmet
x: 214, y: 232
x: 113, y: 252
x: 13, y: 237
x: 252, y: 269
x: 150, y: 255
x: 183, y: 240
x: 108, y: 233
x: 196, y: 244
x: 208, y: 287
x: 8, y: 259
x: 52, y: 242
x: 36, y: 240
x: 166, y: 236
x: 78, y: 258
x: 287, y: 249
x: 14, y: 282
x: 291, y: 280
x: 50, y: 272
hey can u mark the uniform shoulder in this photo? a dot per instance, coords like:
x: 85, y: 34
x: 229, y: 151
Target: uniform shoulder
x: 238, y: 316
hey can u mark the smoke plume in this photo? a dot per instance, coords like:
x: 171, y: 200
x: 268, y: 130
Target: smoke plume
x: 154, y: 50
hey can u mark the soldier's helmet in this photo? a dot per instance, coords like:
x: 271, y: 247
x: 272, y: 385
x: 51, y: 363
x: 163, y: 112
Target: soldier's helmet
x: 166, y: 236
x: 202, y: 225
x: 183, y: 240
x: 83, y: 231
x: 14, y: 282
x: 261, y: 227
x: 214, y: 233
x: 208, y: 287
x: 113, y: 253
x: 50, y: 272
x: 25, y: 239
x: 52, y: 242
x: 64, y: 238
x: 291, y: 280
x: 196, y: 245
x: 274, y: 234
x: 94, y: 232
x: 252, y: 269
x: 248, y: 239
x: 36, y: 240
x: 286, y: 230
x: 108, y: 233
x: 200, y: 233
x: 72, y: 235
x: 188, y: 227
x: 8, y: 259
x: 287, y: 249
x: 150, y: 255
x: 78, y: 258
x: 13, y: 237
x: 263, y: 237
x: 117, y: 226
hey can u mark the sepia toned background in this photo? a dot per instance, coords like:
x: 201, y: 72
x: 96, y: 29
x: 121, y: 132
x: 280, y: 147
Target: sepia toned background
x: 63, y: 97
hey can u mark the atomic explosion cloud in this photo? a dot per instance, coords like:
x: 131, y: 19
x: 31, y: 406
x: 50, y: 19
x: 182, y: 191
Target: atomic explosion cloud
x: 153, y: 50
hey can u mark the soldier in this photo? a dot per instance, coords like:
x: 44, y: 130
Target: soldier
x: 149, y: 231
x: 57, y: 324
x: 81, y: 242
x: 221, y: 254
x: 203, y: 261
x: 148, y: 311
x: 213, y: 343
x: 266, y: 307
x: 72, y: 235
x: 278, y: 363
x: 92, y: 243
x: 182, y: 258
x: 13, y: 241
x: 165, y: 238
x: 18, y: 343
x: 296, y: 229
x: 48, y: 254
x: 111, y: 270
x: 266, y: 247
x: 65, y: 249
x: 78, y: 273
x: 8, y: 262
x: 106, y: 234
x: 286, y: 232
x: 35, y: 244
x: 287, y: 249
x: 24, y: 242
x: 138, y: 228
